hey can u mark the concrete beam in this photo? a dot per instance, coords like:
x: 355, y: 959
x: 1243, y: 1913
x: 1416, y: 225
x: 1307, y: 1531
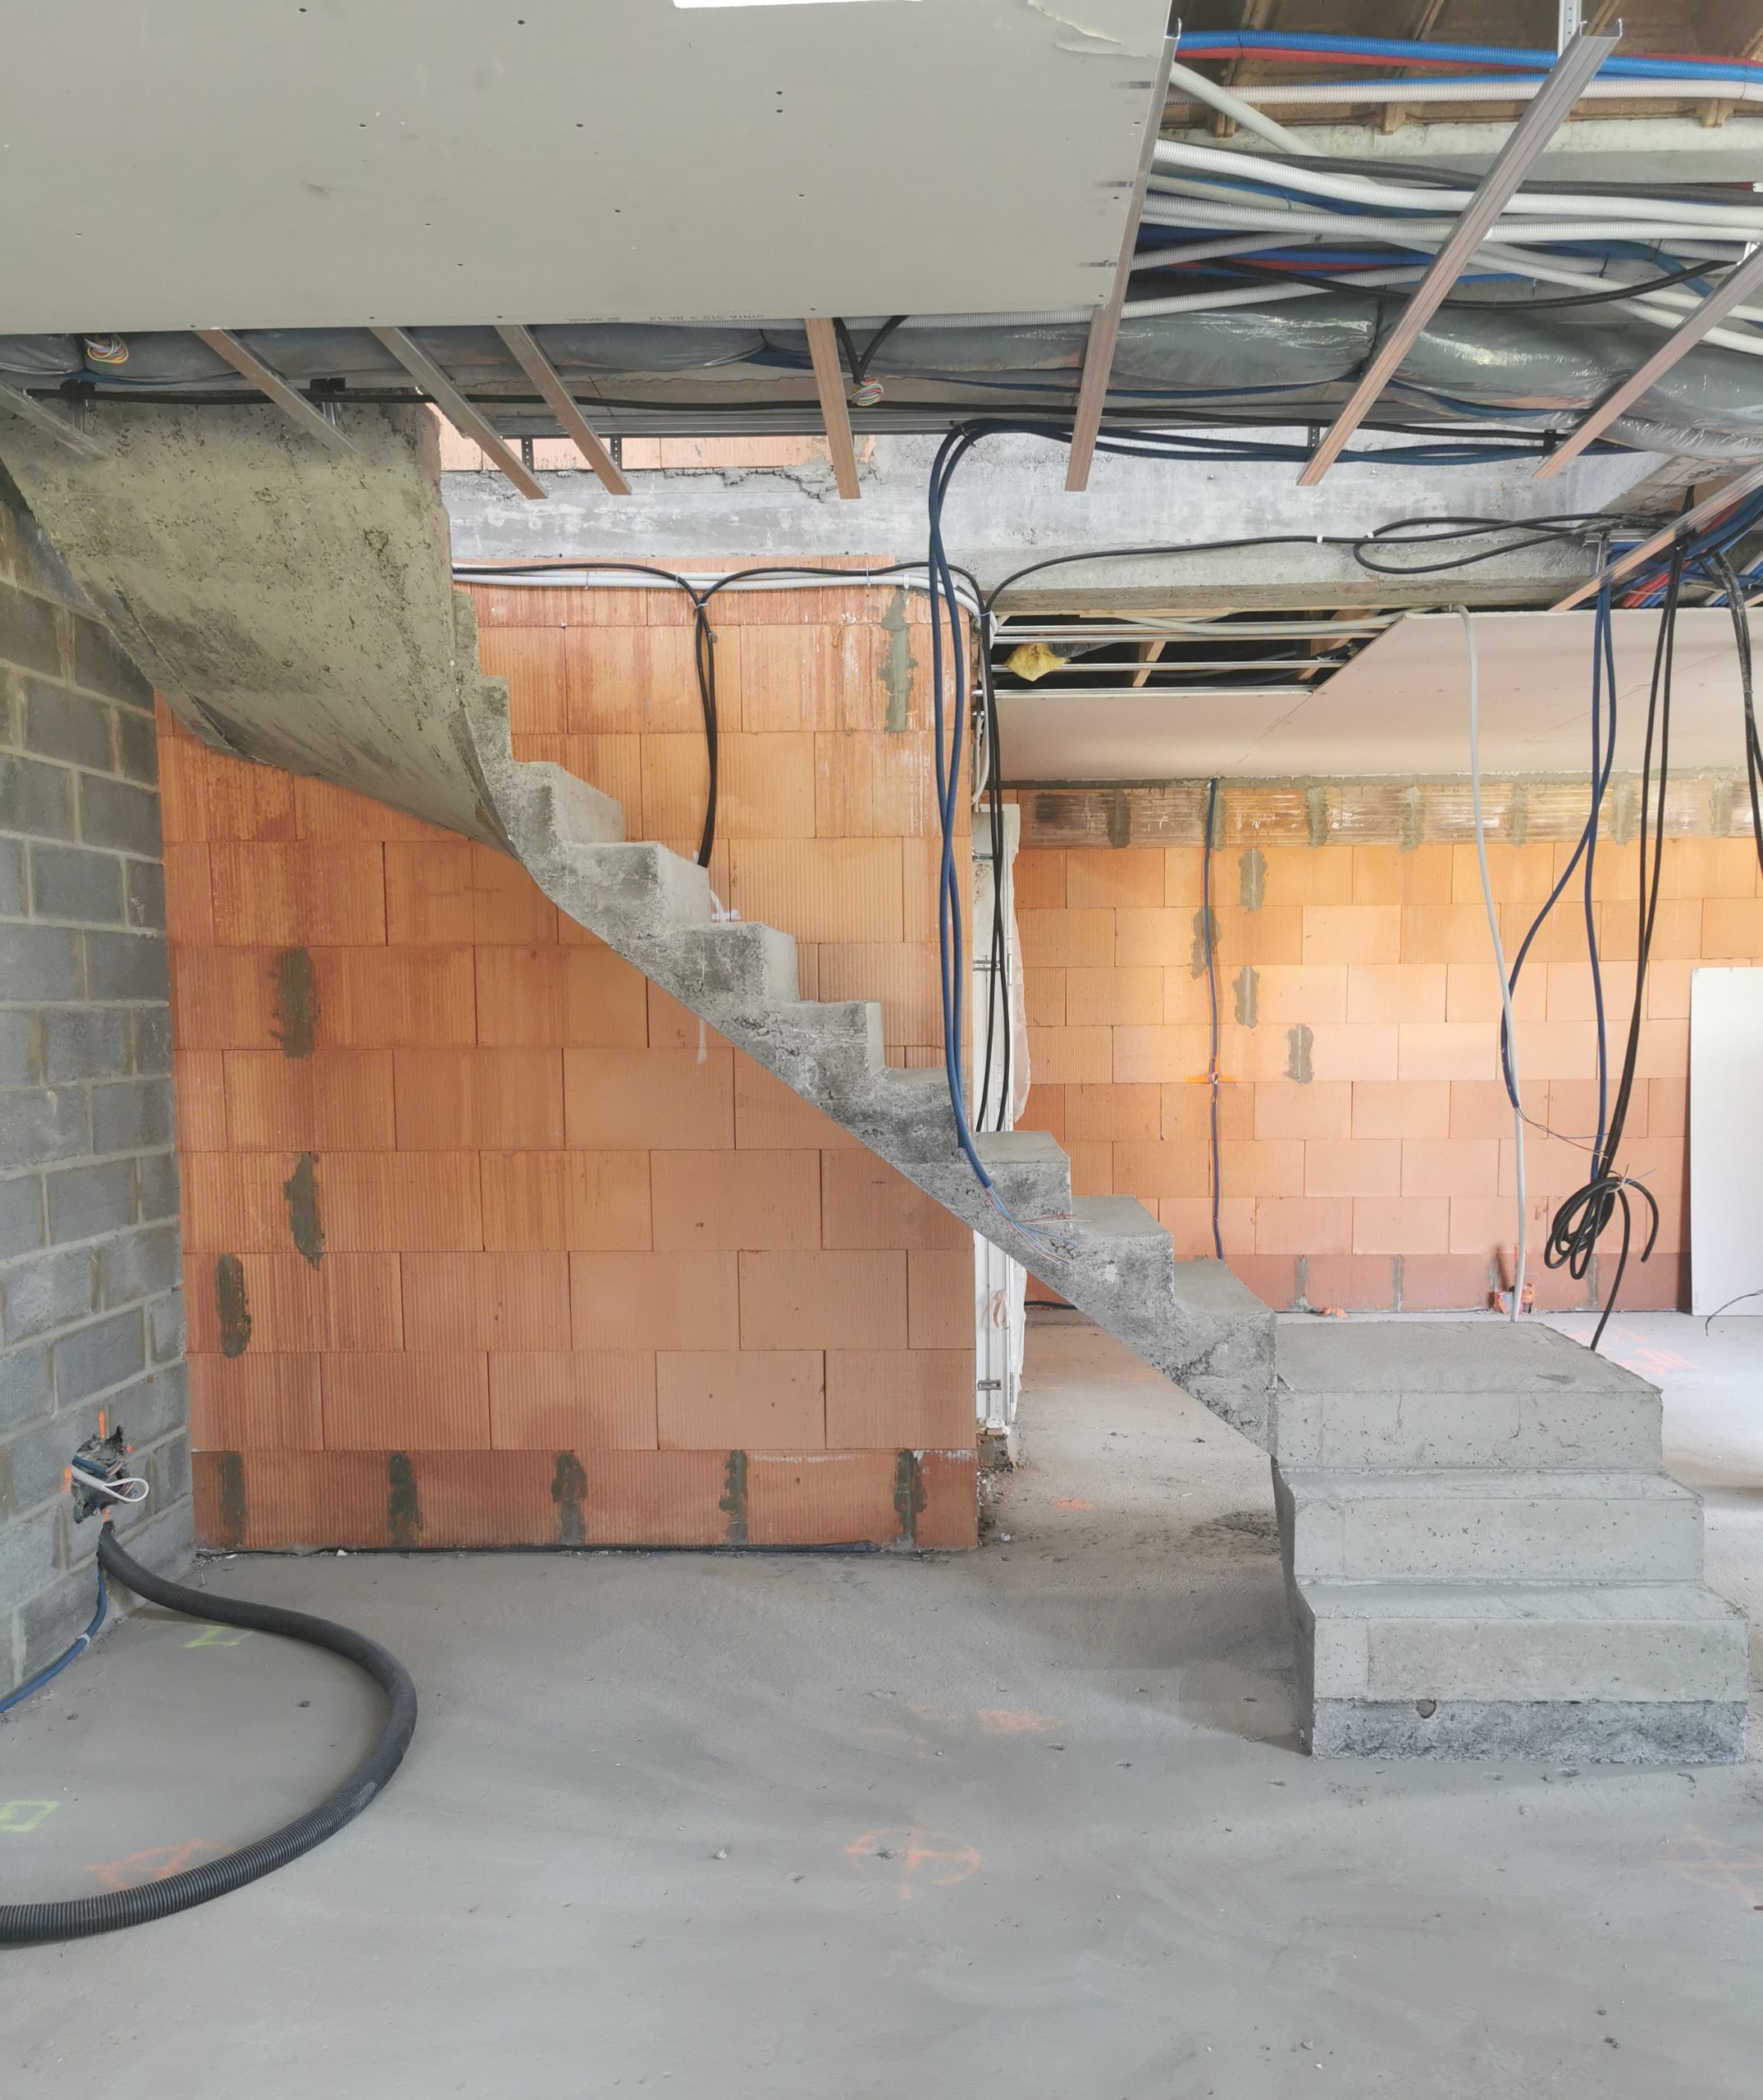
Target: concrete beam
x: 1008, y: 507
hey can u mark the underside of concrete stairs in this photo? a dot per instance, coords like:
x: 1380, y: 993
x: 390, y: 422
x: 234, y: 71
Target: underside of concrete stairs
x: 1482, y: 1552
x: 1485, y: 1556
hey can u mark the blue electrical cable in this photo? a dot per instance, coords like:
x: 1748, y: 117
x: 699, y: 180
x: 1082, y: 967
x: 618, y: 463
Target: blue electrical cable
x: 1212, y: 995
x: 55, y: 1669
x: 1233, y: 43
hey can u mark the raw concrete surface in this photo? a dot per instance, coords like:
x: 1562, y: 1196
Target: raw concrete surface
x: 1030, y: 1821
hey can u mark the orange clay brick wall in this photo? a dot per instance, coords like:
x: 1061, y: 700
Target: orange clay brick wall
x: 1367, y: 1144
x: 487, y: 1242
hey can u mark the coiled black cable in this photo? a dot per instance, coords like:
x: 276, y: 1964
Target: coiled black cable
x: 30, y: 1924
x: 1580, y: 1222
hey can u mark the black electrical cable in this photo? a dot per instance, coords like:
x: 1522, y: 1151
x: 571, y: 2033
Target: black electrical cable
x: 1735, y: 599
x: 858, y: 361
x: 28, y: 1925
x: 1581, y: 1221
x: 997, y: 1002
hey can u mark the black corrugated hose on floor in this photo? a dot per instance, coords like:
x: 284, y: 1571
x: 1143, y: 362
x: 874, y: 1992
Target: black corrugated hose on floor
x: 24, y: 1924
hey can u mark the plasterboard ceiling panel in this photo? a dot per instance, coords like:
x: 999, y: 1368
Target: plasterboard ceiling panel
x: 1402, y: 704
x: 171, y: 164
x: 1140, y: 736
x: 1401, y: 707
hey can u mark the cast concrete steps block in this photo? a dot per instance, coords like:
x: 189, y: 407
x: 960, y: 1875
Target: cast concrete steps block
x: 1444, y: 1641
x: 1616, y: 1673
x: 1453, y: 1393
x: 1486, y: 1524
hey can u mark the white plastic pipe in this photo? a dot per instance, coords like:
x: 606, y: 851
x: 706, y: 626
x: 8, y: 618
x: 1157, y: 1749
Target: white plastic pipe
x: 1338, y: 93
x: 1196, y: 87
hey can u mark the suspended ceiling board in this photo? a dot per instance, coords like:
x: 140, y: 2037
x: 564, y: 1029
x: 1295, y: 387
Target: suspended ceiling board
x: 1401, y: 706
x: 172, y: 164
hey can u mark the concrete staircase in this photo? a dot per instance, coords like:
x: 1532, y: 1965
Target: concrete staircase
x: 1485, y: 1556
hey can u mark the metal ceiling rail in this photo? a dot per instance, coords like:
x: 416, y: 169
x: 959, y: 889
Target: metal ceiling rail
x: 1200, y: 631
x: 1710, y: 507
x: 829, y: 383
x: 1194, y: 663
x: 459, y: 411
x: 1105, y: 324
x: 1542, y: 118
x: 311, y: 418
x: 21, y: 406
x: 1157, y: 693
x: 1737, y: 287
x: 545, y: 376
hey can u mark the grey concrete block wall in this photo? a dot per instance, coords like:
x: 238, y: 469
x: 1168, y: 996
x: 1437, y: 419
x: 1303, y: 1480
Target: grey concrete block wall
x: 90, y: 1313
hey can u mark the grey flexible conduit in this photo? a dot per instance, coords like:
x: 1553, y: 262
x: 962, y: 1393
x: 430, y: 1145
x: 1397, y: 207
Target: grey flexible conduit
x: 25, y: 1924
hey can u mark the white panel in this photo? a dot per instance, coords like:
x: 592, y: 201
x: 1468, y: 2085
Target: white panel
x: 1725, y: 1139
x: 173, y: 164
x: 1401, y: 705
x: 1140, y: 736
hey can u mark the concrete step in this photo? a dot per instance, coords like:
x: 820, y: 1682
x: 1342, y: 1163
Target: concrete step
x: 1446, y: 1524
x: 1621, y: 1672
x: 1455, y: 1393
x: 639, y: 890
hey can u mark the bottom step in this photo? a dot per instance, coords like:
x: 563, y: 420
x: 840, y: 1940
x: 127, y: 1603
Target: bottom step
x: 1612, y: 1672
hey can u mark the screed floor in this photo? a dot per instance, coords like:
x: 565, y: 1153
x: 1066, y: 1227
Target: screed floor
x: 1030, y: 1821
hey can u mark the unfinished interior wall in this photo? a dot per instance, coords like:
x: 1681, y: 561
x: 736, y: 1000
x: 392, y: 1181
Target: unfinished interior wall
x: 490, y: 1242
x: 90, y: 1319
x: 1366, y: 1146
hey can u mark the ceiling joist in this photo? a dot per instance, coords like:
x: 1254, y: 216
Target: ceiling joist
x: 557, y: 398
x: 1105, y: 324
x: 310, y: 418
x: 459, y: 411
x: 1542, y: 117
x: 829, y: 384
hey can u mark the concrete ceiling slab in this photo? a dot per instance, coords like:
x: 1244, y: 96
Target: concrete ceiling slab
x: 1400, y: 707
x: 173, y: 164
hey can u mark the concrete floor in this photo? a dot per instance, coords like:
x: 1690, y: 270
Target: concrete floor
x: 1028, y: 1821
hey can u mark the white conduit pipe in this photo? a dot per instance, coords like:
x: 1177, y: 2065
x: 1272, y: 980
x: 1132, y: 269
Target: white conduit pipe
x: 1398, y: 196
x: 1500, y: 952
x: 1197, y: 88
x: 1203, y: 216
x: 1652, y: 308
x: 1294, y: 94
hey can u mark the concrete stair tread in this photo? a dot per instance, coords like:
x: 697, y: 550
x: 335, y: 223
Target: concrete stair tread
x: 1483, y: 1483
x: 1430, y: 1360
x: 1605, y: 1604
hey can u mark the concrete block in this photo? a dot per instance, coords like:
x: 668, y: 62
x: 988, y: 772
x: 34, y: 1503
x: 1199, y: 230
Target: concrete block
x: 139, y: 1263
x: 131, y: 1115
x: 11, y: 879
x: 127, y: 966
x: 85, y: 1043
x: 27, y: 1555
x: 51, y: 1622
x: 20, y: 1214
x: 1456, y: 1525
x: 86, y: 1201
x: 165, y: 1328
x: 158, y: 1184
x: 46, y: 1291
x: 68, y: 882
x: 31, y: 631
x: 93, y: 1360
x: 150, y: 1032
x: 39, y: 1124
x: 67, y: 726
x: 38, y: 1455
x: 35, y: 798
x: 137, y: 749
x: 117, y: 814
x: 144, y: 883
x: 19, y: 1065
x: 100, y: 665
x: 26, y: 1390
x: 38, y: 964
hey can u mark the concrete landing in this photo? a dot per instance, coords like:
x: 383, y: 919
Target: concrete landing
x: 1485, y: 1556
